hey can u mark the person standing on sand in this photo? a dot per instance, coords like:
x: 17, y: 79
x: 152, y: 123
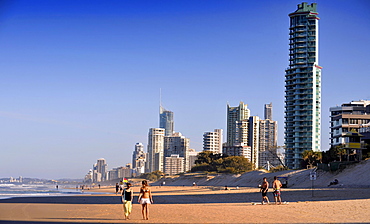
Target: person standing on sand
x: 264, y: 189
x: 117, y: 188
x: 276, y: 185
x: 145, y: 199
x: 127, y: 197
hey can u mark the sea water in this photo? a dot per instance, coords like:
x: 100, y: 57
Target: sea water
x: 36, y: 190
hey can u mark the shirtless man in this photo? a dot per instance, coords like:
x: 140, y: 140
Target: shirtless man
x: 264, y: 189
x: 276, y: 185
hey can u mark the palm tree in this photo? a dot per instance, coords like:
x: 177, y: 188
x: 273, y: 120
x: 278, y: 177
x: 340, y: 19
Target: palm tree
x: 311, y: 157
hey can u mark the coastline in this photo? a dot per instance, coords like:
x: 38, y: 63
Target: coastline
x: 177, y: 204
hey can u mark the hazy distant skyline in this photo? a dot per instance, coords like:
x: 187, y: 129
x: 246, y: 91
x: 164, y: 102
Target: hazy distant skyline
x: 80, y: 80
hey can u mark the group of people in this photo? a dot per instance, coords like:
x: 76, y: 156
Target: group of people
x: 145, y: 199
x: 276, y: 185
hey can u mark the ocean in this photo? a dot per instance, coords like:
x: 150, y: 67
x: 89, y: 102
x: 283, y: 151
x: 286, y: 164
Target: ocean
x: 37, y: 190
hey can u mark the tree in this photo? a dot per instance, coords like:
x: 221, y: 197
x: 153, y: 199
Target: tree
x: 153, y: 176
x: 235, y: 164
x: 311, y: 157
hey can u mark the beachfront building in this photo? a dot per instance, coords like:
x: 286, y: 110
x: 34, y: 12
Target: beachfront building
x: 166, y: 121
x: 174, y: 164
x: 138, y: 159
x: 100, y: 170
x: 177, y: 144
x: 268, y: 143
x: 302, y: 86
x: 236, y: 115
x: 155, y: 149
x: 212, y: 141
x: 253, y: 140
x: 240, y: 149
x: 354, y: 115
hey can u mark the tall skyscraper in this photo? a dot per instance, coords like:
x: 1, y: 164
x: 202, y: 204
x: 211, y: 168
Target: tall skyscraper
x: 268, y: 143
x: 254, y: 139
x: 302, y: 86
x: 155, y: 149
x: 166, y: 121
x: 234, y: 116
x: 268, y: 111
x: 212, y: 141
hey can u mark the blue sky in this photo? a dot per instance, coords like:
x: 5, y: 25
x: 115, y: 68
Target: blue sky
x: 80, y: 80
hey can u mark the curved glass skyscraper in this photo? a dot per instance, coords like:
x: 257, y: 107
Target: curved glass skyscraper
x: 302, y: 86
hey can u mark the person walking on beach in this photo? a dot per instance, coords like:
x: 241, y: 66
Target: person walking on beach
x: 117, y: 188
x: 127, y: 197
x: 276, y: 185
x: 145, y: 199
x: 264, y: 189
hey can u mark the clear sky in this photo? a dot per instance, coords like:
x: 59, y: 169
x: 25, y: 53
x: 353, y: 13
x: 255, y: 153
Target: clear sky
x: 80, y: 80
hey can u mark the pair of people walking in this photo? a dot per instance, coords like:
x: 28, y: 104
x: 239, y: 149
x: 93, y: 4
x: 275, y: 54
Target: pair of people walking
x: 276, y: 185
x: 145, y: 199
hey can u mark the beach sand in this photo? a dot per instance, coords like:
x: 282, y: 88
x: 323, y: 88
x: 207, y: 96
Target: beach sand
x: 196, y: 205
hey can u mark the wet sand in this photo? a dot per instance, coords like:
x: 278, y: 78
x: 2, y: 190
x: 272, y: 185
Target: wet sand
x: 196, y: 205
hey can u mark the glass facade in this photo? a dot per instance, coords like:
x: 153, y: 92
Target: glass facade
x: 302, y: 86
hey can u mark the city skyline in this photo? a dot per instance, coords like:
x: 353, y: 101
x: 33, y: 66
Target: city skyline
x: 80, y: 82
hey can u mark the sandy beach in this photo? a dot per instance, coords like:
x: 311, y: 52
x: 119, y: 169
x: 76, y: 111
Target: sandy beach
x: 196, y: 205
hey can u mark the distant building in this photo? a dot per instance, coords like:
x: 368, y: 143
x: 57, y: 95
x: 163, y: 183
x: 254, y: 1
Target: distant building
x: 138, y: 159
x: 174, y: 165
x: 177, y: 144
x: 268, y: 111
x: 166, y: 121
x: 349, y: 116
x: 100, y: 171
x: 155, y: 149
x: 212, y: 141
x: 268, y: 143
x: 235, y: 115
x: 238, y: 150
x: 254, y: 137
x: 193, y: 155
x: 89, y: 177
x: 302, y: 86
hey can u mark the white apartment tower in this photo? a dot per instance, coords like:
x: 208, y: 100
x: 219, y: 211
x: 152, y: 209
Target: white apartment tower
x: 138, y: 159
x: 234, y: 116
x: 155, y: 149
x: 254, y: 131
x: 302, y: 86
x: 212, y: 141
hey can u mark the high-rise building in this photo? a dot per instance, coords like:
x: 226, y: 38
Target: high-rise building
x: 166, y: 121
x: 138, y: 159
x: 268, y: 111
x: 302, y: 86
x: 155, y: 149
x: 212, y: 141
x: 177, y: 144
x: 100, y: 170
x: 234, y: 116
x: 254, y: 137
x: 347, y: 117
x: 238, y: 150
x: 268, y: 143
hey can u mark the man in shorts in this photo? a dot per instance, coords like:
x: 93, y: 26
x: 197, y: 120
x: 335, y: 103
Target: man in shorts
x: 276, y: 185
x: 264, y: 188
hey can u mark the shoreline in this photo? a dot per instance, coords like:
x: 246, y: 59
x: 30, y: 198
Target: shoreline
x: 174, y: 204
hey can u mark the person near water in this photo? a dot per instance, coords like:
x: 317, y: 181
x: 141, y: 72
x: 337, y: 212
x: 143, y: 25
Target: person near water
x: 276, y: 185
x: 127, y: 197
x: 145, y: 199
x: 117, y: 188
x: 264, y: 189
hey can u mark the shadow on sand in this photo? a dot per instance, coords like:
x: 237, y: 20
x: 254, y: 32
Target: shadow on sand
x: 330, y: 194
